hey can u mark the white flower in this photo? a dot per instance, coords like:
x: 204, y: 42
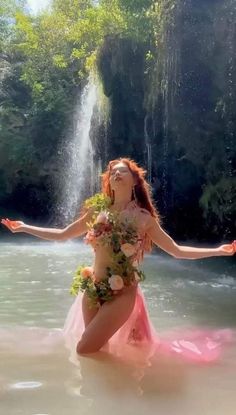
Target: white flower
x: 116, y: 282
x: 102, y: 217
x: 128, y: 249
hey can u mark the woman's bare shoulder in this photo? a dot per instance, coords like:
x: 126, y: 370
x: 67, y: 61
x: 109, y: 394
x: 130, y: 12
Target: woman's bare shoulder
x: 144, y: 217
x: 144, y: 211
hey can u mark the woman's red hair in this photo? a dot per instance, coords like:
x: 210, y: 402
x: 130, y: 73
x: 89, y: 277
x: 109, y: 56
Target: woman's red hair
x: 142, y: 190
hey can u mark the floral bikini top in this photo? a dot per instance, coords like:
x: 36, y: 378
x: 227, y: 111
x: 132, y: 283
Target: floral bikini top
x: 120, y: 231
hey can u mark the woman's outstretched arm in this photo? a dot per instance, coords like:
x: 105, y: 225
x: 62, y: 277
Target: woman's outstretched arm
x: 165, y: 242
x: 75, y: 229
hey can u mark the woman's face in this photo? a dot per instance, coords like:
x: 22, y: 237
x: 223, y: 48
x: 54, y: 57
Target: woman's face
x: 121, y: 176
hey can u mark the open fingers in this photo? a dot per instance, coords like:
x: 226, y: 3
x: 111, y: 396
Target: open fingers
x: 4, y: 222
x: 10, y: 224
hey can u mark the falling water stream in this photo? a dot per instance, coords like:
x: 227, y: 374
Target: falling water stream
x: 231, y: 68
x: 148, y: 145
x: 78, y: 159
x: 169, y: 83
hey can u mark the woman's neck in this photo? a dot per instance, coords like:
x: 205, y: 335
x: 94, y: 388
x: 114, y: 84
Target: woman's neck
x: 121, y: 203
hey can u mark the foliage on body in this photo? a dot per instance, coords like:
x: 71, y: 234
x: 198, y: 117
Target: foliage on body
x: 121, y: 240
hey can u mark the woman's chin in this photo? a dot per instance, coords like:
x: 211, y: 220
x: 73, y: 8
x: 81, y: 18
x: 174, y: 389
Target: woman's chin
x: 118, y: 185
x: 121, y: 186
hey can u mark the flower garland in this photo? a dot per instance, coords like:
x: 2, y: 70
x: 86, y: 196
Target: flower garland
x: 119, y: 236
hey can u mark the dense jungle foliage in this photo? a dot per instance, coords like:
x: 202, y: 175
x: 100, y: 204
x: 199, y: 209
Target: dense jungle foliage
x: 168, y: 69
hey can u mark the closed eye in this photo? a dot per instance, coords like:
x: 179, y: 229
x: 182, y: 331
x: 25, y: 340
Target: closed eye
x: 113, y: 172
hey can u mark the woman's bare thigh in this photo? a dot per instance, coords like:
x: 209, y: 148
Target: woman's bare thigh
x: 109, y: 318
x: 88, y: 312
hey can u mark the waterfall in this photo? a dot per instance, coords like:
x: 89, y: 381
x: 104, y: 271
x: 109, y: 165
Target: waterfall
x: 230, y: 139
x: 169, y: 86
x: 165, y: 86
x: 78, y: 170
x: 148, y: 145
x: 230, y: 109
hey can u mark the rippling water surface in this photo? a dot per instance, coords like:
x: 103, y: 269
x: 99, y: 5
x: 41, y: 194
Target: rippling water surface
x: 36, y: 376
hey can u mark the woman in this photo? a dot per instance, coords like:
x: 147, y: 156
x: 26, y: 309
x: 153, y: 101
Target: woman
x: 109, y: 310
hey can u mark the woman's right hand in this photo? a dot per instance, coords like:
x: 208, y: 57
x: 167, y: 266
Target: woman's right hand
x: 13, y: 225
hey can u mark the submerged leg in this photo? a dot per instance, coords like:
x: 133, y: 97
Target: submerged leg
x: 109, y: 318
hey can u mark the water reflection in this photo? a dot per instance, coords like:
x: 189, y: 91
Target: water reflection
x: 25, y: 385
x: 114, y: 376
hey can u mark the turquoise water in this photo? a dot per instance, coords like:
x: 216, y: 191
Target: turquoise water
x: 36, y: 377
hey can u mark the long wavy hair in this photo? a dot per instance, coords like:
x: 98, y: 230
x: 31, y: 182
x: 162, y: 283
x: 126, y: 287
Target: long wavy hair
x: 141, y: 192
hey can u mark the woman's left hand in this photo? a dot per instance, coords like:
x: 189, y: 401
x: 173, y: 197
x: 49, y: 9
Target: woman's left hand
x: 227, y: 249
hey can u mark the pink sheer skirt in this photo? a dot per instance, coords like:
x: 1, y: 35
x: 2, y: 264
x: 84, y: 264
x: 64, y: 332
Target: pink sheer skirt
x: 138, y: 340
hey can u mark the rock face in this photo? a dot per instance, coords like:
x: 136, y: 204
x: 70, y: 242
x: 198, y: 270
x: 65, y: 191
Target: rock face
x: 186, y: 108
x: 121, y: 65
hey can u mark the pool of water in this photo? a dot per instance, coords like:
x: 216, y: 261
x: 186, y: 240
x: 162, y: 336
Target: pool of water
x: 36, y: 375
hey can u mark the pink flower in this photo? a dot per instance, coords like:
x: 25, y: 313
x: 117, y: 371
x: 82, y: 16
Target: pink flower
x: 116, y: 282
x: 102, y: 218
x: 128, y: 249
x: 86, y: 272
x: 90, y: 237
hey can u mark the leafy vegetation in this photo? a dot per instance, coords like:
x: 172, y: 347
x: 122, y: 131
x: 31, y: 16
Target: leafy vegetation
x: 162, y: 84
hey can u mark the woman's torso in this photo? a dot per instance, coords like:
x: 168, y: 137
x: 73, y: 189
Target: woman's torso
x: 103, y: 253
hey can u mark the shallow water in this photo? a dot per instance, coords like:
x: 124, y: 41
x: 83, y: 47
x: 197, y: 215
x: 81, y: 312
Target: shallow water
x: 36, y: 376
